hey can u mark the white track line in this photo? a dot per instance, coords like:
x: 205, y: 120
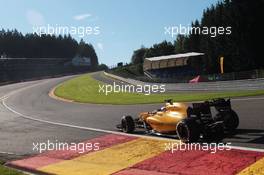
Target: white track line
x: 247, y: 148
x: 4, y: 98
x: 76, y: 126
x: 2, y: 152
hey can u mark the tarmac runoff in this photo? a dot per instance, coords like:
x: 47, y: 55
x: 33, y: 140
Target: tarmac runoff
x: 125, y: 155
x: 129, y: 155
x: 4, y: 98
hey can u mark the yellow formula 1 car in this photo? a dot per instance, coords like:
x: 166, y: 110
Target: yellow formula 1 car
x: 188, y: 123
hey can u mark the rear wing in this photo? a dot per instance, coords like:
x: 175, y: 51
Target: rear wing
x: 203, y: 108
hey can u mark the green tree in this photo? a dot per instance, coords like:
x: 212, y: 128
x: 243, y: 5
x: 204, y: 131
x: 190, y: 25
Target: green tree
x: 138, y: 55
x: 163, y: 48
x: 180, y: 44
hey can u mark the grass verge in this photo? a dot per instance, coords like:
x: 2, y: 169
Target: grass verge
x: 85, y: 89
x: 8, y: 171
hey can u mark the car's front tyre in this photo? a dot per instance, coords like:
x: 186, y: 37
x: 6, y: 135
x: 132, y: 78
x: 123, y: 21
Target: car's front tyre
x: 127, y: 124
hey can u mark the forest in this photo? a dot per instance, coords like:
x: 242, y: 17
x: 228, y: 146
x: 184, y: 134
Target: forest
x: 241, y: 49
x: 14, y: 44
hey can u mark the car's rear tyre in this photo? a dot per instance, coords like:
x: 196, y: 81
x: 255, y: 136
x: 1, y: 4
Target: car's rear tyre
x: 219, y: 133
x: 188, y: 130
x: 215, y: 133
x: 127, y: 124
x: 230, y: 119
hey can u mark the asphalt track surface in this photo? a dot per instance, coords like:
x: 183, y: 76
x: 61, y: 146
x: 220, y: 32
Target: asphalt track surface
x: 28, y: 115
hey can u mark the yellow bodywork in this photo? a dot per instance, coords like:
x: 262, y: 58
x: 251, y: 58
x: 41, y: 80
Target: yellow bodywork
x: 165, y: 121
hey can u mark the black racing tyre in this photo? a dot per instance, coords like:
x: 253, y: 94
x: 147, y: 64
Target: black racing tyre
x: 215, y: 132
x: 230, y: 119
x: 127, y: 124
x: 219, y: 133
x: 188, y: 130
